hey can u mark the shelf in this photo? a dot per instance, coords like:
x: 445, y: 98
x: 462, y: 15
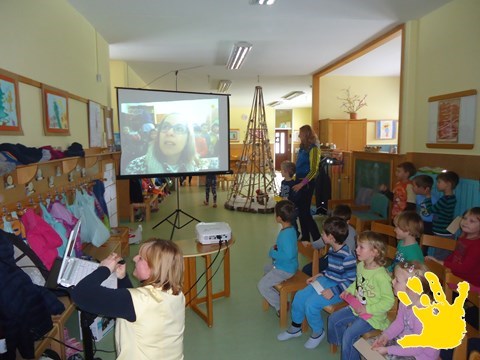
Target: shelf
x: 25, y: 173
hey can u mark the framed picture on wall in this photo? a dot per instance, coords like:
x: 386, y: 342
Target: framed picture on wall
x: 386, y: 129
x: 96, y: 128
x: 55, y: 111
x: 452, y: 119
x: 9, y: 105
x: 109, y: 126
x: 234, y: 135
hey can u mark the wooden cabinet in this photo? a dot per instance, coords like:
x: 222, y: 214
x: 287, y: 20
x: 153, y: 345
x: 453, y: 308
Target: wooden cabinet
x: 350, y: 135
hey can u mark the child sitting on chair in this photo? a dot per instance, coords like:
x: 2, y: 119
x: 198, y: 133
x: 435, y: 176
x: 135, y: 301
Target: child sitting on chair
x: 464, y: 261
x: 370, y: 297
x: 408, y: 229
x: 284, y: 255
x: 324, y: 288
x: 342, y: 211
x: 406, y: 323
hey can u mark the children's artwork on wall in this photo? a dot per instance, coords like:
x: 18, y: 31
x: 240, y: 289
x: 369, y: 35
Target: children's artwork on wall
x: 9, y: 105
x: 109, y: 127
x: 386, y: 130
x: 234, y: 135
x: 55, y: 110
x: 451, y: 120
x: 96, y: 128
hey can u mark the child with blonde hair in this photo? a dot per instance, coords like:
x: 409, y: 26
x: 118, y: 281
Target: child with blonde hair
x: 406, y: 323
x: 151, y: 317
x: 370, y: 296
x: 408, y: 229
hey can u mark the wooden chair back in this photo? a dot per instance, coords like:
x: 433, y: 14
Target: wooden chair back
x: 441, y: 243
x: 387, y: 230
x: 313, y: 254
x: 450, y: 287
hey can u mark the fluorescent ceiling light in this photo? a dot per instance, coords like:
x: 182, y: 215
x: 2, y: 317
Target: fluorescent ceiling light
x: 238, y: 55
x: 262, y: 2
x: 224, y: 85
x: 292, y: 94
x: 274, y: 103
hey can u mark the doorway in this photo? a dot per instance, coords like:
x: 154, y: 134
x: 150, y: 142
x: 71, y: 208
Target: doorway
x: 283, y: 145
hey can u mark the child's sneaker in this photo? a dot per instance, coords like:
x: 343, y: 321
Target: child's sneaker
x: 312, y: 343
x: 288, y: 335
x: 214, y: 205
x: 205, y: 202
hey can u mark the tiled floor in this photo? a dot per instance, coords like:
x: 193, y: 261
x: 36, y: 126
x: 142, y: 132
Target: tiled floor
x: 241, y: 330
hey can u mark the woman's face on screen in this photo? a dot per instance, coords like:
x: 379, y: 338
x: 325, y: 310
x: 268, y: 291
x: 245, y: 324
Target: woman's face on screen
x: 173, y: 136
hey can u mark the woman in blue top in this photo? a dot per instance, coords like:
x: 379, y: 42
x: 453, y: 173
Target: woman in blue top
x: 307, y: 167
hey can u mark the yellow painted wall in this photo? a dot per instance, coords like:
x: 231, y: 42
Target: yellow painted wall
x: 121, y: 75
x: 301, y: 116
x: 383, y: 96
x: 443, y: 53
x: 48, y: 41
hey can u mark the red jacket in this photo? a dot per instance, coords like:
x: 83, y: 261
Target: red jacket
x: 465, y: 260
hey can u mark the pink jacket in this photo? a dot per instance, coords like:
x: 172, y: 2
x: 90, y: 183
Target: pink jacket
x: 41, y: 237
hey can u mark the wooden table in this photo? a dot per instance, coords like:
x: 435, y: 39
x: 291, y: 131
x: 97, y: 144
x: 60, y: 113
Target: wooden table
x: 191, y: 250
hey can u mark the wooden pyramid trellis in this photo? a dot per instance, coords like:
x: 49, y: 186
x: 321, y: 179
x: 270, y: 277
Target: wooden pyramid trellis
x: 254, y: 186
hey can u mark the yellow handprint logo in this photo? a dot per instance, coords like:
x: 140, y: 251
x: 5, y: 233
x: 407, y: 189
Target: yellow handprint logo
x: 443, y: 323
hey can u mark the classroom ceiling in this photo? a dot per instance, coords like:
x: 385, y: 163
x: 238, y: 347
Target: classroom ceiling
x: 184, y: 45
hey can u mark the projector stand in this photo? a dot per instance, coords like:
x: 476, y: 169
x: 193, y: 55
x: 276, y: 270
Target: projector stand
x: 176, y: 212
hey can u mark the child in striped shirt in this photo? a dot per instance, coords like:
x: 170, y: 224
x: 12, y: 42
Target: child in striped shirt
x: 324, y: 288
x: 443, y: 210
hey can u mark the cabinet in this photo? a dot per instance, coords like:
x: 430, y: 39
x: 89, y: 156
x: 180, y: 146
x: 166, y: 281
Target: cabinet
x: 349, y: 135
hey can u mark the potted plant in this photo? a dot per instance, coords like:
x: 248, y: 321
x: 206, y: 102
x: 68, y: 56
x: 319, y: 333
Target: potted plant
x: 352, y: 103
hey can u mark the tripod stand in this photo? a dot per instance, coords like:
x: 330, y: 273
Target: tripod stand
x: 177, y: 212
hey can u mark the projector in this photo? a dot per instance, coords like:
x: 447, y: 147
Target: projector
x: 212, y: 233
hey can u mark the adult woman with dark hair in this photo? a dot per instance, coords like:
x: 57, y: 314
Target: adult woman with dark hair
x: 307, y: 166
x: 172, y: 151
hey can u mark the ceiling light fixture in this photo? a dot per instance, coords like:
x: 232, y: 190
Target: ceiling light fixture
x: 224, y: 85
x: 292, y: 94
x: 262, y: 2
x: 238, y: 55
x: 274, y: 103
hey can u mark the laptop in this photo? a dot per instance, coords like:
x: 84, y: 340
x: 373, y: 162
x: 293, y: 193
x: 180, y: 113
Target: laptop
x: 73, y: 269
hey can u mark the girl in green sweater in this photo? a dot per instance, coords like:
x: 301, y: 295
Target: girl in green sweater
x: 370, y: 297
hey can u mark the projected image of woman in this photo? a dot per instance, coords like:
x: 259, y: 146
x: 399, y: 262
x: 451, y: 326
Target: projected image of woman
x: 172, y: 151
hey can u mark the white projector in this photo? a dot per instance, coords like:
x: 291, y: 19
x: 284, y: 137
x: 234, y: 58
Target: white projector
x: 213, y: 233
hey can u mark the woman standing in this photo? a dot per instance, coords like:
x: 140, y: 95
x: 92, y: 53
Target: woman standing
x: 307, y: 166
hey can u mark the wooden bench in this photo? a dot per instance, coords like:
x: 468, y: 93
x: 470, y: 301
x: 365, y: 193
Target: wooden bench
x: 149, y: 201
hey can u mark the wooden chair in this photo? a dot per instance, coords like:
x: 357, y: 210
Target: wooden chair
x: 378, y: 210
x: 450, y: 287
x: 475, y: 355
x: 387, y: 230
x: 441, y: 243
x: 289, y: 287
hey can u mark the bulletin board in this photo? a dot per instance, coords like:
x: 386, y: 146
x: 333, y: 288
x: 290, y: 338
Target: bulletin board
x: 451, y: 120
